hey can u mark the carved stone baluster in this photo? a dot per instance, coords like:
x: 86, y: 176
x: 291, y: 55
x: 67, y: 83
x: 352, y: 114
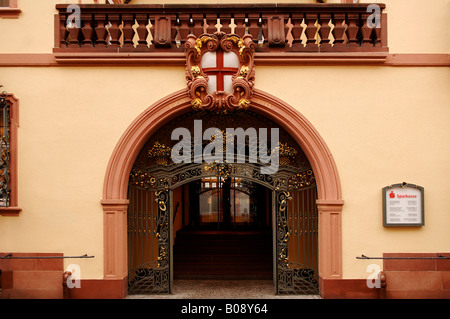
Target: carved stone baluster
x: 151, y: 31
x: 297, y: 30
x: 101, y: 33
x: 377, y: 36
x: 87, y: 30
x: 264, y: 31
x: 128, y: 31
x: 191, y: 24
x: 183, y: 28
x: 276, y: 31
x: 339, y: 31
x: 142, y: 20
x: 174, y: 31
x: 114, y: 30
x: 253, y: 27
x: 63, y: 33
x: 311, y: 31
x: 366, y: 32
x: 239, y: 22
x: 225, y: 21
x: 376, y: 31
x: 286, y: 30
x: 197, y: 27
x: 211, y: 21
x: 353, y: 30
x: 74, y: 34
x: 324, y: 31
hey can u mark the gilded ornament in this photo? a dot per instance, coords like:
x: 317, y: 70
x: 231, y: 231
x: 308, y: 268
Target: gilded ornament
x: 196, y: 72
x: 161, y: 153
x: 196, y: 104
x: 199, y: 43
x: 243, y: 71
x: 244, y: 103
x: 240, y: 43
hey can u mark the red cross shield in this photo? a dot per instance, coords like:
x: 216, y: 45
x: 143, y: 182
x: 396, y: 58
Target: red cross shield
x: 220, y: 66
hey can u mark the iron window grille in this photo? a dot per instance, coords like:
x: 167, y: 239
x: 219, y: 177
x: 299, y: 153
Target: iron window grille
x: 5, y: 151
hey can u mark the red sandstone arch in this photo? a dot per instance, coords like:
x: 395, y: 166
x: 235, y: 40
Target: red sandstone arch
x: 115, y: 201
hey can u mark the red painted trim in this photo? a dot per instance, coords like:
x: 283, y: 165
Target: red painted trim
x: 415, y: 60
x: 261, y: 58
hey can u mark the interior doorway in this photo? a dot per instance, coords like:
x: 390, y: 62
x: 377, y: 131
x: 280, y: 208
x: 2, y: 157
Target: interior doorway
x: 224, y: 230
x: 229, y: 204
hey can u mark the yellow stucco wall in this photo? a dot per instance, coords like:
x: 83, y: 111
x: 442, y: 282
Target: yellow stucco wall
x: 383, y: 125
x: 33, y: 32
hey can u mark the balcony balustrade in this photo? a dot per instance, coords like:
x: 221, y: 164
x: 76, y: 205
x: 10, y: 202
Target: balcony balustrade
x: 160, y: 31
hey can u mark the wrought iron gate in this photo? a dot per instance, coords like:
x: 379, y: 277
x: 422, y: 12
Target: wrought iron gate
x: 154, y: 176
x: 296, y: 241
x: 295, y: 229
x: 149, y: 241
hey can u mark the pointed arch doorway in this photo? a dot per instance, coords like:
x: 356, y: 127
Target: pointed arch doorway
x: 329, y: 202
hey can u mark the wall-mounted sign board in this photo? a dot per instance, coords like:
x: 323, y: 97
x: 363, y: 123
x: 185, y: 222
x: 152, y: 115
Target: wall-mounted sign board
x: 403, y: 205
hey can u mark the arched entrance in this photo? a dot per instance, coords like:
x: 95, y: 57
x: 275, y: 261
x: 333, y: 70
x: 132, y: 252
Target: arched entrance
x: 329, y: 202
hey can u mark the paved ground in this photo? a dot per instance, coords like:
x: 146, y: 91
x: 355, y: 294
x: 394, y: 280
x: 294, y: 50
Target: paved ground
x: 216, y: 289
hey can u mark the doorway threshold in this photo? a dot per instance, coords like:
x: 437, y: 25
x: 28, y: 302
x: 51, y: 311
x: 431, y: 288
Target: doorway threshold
x: 223, y: 289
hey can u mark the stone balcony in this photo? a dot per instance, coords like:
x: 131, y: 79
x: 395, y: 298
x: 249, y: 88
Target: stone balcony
x: 283, y: 33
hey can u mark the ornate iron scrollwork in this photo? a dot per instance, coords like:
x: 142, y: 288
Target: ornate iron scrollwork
x: 5, y: 191
x: 282, y: 230
x: 153, y: 276
x: 292, y: 278
x: 157, y: 179
x: 162, y: 229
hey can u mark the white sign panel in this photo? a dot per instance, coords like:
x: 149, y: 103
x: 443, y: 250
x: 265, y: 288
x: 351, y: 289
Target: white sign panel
x: 403, y: 205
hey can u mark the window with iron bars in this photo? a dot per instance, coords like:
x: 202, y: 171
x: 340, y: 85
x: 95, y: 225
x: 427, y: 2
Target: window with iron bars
x: 9, y: 124
x: 5, y: 152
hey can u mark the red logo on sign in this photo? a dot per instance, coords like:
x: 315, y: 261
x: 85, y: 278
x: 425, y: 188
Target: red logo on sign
x: 392, y: 195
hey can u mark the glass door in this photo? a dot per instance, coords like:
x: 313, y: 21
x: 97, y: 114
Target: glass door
x: 211, y: 202
x: 228, y: 204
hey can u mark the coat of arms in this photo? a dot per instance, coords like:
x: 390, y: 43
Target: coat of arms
x: 220, y: 71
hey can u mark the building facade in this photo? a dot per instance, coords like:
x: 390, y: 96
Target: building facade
x: 301, y: 142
